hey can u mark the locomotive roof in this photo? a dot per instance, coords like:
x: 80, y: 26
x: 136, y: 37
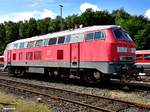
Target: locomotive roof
x: 66, y: 32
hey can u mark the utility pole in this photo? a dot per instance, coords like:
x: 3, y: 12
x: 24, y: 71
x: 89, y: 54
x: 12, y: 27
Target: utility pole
x: 61, y: 6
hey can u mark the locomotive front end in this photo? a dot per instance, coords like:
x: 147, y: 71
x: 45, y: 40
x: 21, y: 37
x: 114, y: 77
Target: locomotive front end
x: 123, y: 55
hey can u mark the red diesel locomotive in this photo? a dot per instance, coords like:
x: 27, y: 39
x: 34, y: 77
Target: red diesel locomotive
x: 91, y: 53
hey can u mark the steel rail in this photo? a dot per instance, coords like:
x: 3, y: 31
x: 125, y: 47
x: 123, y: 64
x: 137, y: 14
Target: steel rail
x: 58, y: 98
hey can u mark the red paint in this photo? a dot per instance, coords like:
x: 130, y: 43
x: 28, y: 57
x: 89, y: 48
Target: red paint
x: 143, y: 54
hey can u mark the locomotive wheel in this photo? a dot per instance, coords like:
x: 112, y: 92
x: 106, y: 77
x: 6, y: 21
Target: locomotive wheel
x: 91, y: 76
x: 16, y: 72
x: 19, y: 72
x: 49, y: 73
x: 55, y: 74
x: 22, y: 72
x: 97, y: 75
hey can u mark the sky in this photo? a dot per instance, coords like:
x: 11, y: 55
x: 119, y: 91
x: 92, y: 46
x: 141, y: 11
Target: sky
x: 20, y: 10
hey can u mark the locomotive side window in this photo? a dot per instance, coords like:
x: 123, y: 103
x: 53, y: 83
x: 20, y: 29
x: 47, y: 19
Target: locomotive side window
x: 90, y: 36
x: 74, y: 38
x: 30, y: 44
x: 138, y: 57
x: 61, y: 40
x: 68, y: 38
x: 52, y: 41
x: 29, y: 55
x: 15, y: 46
x: 21, y: 45
x: 99, y: 35
x: 77, y: 38
x: 60, y: 54
x: 25, y: 44
x: 46, y: 42
x: 146, y: 56
x: 81, y: 37
x: 37, y: 55
x: 20, y: 55
x: 14, y: 56
x: 39, y: 43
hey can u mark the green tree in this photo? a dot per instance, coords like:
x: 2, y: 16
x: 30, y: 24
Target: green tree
x: 42, y: 26
x: 32, y: 28
x: 12, y: 31
x: 87, y: 18
x: 120, y: 13
x: 143, y: 37
x: 55, y: 25
x: 23, y: 29
x: 72, y: 21
x: 103, y: 18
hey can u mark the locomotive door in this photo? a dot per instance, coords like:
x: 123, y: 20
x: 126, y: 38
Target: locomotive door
x: 74, y: 55
x: 9, y: 57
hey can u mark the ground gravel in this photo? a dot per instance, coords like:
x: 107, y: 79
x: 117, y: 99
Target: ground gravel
x: 135, y: 96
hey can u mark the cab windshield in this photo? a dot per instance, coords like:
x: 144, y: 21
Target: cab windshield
x: 120, y: 34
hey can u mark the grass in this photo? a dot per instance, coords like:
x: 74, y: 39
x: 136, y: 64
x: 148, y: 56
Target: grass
x: 130, y: 97
x: 17, y: 105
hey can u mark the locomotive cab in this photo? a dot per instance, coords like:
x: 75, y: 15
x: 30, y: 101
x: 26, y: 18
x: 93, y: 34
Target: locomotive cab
x: 123, y: 55
x: 125, y: 47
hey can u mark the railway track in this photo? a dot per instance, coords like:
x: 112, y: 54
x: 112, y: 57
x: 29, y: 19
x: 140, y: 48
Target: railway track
x: 143, y: 85
x: 89, y: 101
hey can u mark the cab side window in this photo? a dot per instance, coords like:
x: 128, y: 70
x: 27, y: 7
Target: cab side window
x: 90, y: 36
x: 99, y: 35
